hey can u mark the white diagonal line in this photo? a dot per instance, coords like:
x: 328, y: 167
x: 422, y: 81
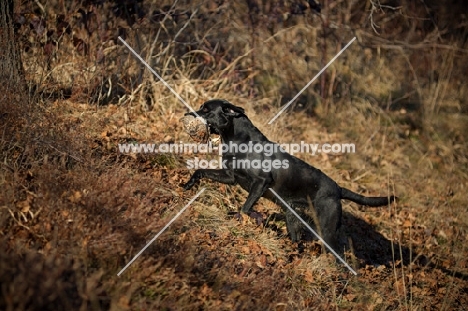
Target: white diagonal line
x: 313, y: 231
x: 160, y: 78
x: 310, y: 82
x: 160, y: 232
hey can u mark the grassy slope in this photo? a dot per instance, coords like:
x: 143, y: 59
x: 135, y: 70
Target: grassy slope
x: 75, y: 211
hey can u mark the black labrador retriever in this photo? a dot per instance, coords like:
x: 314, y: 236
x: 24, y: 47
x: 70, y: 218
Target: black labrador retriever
x: 296, y: 182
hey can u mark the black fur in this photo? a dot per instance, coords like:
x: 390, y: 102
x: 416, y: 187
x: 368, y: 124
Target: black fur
x: 299, y: 185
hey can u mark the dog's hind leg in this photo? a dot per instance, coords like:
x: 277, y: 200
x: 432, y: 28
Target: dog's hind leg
x: 294, y: 225
x: 328, y: 211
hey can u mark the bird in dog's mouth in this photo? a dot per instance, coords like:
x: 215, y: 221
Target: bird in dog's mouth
x: 199, y: 129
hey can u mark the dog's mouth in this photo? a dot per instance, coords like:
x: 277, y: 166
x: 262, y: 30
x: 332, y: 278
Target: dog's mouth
x: 212, y: 129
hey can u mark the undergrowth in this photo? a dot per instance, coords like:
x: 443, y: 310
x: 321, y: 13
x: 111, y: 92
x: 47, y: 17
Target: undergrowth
x: 74, y: 211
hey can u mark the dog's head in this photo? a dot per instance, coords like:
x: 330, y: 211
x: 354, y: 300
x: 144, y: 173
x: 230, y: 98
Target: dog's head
x: 218, y: 114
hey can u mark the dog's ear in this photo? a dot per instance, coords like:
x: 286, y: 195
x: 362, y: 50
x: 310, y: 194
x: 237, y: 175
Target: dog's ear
x: 231, y: 110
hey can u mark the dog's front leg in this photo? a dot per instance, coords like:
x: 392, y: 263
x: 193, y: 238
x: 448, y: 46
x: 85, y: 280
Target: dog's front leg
x: 222, y: 176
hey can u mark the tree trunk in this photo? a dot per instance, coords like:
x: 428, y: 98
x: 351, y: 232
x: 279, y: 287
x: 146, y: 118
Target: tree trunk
x: 12, y: 77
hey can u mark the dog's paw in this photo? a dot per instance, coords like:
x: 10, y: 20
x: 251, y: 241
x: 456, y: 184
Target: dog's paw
x: 236, y: 215
x: 258, y: 217
x: 254, y: 215
x: 188, y: 185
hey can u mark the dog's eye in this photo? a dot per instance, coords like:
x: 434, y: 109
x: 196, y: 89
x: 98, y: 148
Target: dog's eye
x: 205, y: 109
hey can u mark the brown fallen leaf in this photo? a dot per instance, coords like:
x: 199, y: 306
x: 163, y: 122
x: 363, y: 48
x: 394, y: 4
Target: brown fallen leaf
x: 261, y: 262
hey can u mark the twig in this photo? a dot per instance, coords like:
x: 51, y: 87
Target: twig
x: 41, y: 7
x: 395, y: 44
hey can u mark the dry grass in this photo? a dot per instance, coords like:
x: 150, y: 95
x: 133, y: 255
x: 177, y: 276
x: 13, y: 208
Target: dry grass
x: 74, y: 211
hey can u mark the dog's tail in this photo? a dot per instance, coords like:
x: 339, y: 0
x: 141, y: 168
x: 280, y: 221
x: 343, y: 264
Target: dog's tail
x: 369, y: 201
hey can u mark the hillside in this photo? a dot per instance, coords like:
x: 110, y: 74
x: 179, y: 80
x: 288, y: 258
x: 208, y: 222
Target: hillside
x: 74, y: 210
